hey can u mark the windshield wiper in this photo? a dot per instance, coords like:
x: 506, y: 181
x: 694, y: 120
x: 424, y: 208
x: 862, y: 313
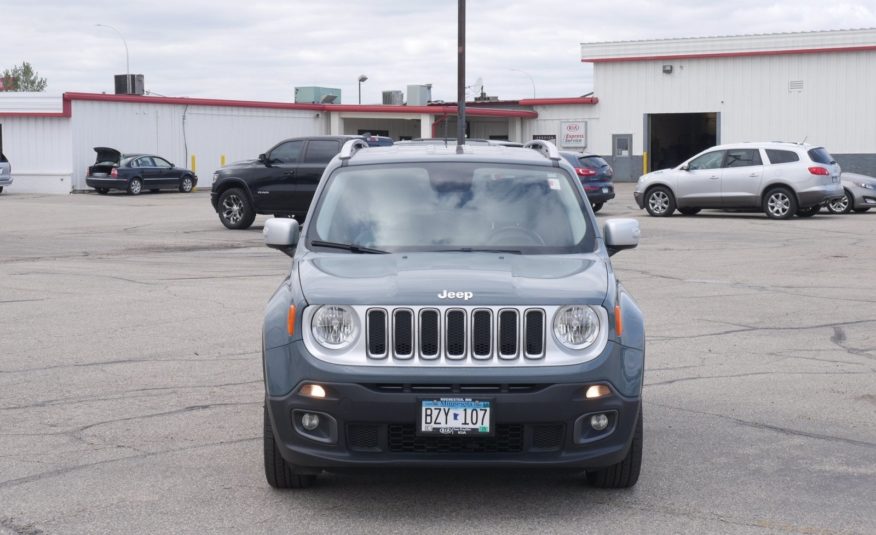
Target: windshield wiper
x: 477, y: 250
x: 353, y: 248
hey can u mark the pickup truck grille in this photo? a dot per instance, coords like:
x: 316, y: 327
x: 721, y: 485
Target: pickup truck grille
x: 456, y: 334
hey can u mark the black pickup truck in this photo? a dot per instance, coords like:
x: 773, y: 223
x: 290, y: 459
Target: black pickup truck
x: 280, y: 182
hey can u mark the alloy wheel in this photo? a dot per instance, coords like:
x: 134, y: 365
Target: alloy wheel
x: 658, y: 202
x: 232, y: 209
x: 779, y: 204
x: 839, y: 206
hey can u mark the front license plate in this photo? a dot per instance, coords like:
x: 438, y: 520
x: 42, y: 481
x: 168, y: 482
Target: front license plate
x: 604, y: 190
x: 455, y: 416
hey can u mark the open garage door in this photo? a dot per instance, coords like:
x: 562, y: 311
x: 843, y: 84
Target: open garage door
x: 675, y: 137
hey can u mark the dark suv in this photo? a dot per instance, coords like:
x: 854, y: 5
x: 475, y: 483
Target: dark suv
x: 452, y: 307
x: 595, y: 175
x: 280, y: 182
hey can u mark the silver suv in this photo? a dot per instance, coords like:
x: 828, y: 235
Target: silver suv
x: 5, y: 172
x: 780, y: 178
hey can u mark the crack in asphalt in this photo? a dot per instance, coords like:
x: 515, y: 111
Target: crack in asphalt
x: 66, y: 470
x: 749, y: 374
x: 769, y: 427
x: 749, y: 328
x: 131, y: 361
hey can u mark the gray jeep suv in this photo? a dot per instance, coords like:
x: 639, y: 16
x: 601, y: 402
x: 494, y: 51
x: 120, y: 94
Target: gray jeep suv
x: 452, y: 307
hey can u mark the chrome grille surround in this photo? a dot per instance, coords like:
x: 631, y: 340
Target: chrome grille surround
x: 553, y: 353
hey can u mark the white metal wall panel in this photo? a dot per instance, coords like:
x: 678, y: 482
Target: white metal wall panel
x: 730, y: 44
x: 39, y: 150
x: 836, y: 106
x: 179, y: 132
x: 550, y: 117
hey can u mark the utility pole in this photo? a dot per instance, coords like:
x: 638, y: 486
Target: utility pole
x: 460, y: 79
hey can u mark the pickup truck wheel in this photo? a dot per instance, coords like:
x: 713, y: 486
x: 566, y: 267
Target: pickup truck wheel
x: 596, y: 206
x: 279, y: 473
x: 135, y: 186
x: 186, y: 185
x: 779, y: 203
x: 235, y: 210
x: 660, y: 202
x: 102, y: 191
x: 625, y: 473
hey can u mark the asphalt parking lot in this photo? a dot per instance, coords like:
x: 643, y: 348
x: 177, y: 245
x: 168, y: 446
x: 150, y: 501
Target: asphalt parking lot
x: 131, y: 393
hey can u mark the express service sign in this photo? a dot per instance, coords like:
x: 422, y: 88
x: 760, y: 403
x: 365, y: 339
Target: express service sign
x: 573, y: 134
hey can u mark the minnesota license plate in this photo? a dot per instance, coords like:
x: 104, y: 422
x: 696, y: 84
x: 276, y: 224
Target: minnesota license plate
x: 455, y: 416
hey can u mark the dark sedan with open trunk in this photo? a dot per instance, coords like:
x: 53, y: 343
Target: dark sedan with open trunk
x: 135, y: 172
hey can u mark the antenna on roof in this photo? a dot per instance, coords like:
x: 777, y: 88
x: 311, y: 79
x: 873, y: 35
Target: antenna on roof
x: 804, y: 139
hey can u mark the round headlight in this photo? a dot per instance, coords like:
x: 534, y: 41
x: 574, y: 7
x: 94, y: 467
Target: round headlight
x: 576, y: 327
x: 334, y: 326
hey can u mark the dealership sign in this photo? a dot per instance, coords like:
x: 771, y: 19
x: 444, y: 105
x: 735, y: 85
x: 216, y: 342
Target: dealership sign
x: 573, y: 134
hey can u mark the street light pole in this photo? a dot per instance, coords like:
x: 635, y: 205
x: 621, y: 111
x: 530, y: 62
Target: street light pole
x: 531, y: 79
x: 362, y: 78
x: 127, y: 57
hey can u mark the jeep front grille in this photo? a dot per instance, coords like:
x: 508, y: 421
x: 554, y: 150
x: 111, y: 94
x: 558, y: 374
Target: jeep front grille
x: 456, y: 334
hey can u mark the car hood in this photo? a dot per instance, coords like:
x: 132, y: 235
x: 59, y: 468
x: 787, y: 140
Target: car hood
x: 106, y: 154
x: 419, y: 278
x: 855, y: 178
x: 243, y: 164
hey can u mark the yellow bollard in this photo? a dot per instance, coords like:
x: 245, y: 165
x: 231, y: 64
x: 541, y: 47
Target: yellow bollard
x: 222, y: 161
x: 194, y: 169
x: 645, y: 163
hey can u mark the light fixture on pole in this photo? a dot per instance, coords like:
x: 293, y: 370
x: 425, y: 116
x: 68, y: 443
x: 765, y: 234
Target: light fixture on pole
x: 127, y: 57
x: 362, y: 78
x: 531, y: 79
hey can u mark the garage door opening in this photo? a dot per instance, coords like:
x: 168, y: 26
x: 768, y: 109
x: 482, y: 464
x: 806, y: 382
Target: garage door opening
x: 675, y: 137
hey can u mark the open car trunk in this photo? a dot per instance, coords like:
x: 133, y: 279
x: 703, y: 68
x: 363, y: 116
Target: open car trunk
x: 104, y: 162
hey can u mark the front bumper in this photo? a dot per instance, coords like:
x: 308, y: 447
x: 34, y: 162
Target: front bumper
x: 108, y: 183
x: 639, y: 197
x: 539, y: 418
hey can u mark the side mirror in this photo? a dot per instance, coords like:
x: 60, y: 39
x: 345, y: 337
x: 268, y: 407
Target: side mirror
x: 282, y: 233
x: 263, y: 159
x: 685, y: 167
x: 621, y: 234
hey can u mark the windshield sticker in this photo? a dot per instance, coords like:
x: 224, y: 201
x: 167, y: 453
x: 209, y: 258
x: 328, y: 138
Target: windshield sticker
x: 553, y: 183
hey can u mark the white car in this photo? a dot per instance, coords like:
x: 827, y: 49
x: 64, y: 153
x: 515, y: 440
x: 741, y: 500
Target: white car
x: 782, y: 179
x: 860, y: 194
x: 5, y: 172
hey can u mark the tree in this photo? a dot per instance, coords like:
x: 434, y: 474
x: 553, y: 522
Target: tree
x: 22, y: 78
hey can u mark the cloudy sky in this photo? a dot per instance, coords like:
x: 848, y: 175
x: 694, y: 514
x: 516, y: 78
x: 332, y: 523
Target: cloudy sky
x: 261, y: 50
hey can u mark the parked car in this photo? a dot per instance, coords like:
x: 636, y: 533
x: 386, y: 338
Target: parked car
x: 859, y: 194
x: 782, y: 179
x: 280, y: 182
x: 595, y: 175
x: 5, y: 172
x: 136, y: 172
x: 452, y: 309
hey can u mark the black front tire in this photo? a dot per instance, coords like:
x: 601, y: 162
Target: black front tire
x: 843, y: 205
x: 624, y: 474
x: 1, y: 189
x: 235, y: 210
x: 597, y: 206
x: 279, y: 473
x: 186, y: 184
x: 808, y: 212
x: 135, y: 186
x: 660, y: 202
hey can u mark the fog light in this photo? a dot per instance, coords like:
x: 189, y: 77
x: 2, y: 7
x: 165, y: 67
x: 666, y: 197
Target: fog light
x: 597, y: 422
x: 311, y: 421
x: 312, y: 391
x: 597, y: 391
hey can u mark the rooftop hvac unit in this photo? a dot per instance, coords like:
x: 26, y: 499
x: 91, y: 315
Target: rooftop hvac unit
x: 317, y: 95
x: 129, y: 84
x: 419, y: 95
x: 393, y: 98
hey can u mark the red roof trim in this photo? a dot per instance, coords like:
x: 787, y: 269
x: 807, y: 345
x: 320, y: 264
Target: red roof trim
x: 751, y: 53
x: 558, y: 101
x: 65, y: 113
x: 185, y: 101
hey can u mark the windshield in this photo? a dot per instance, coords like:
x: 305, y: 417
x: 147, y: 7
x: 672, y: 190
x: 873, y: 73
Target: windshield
x: 452, y: 207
